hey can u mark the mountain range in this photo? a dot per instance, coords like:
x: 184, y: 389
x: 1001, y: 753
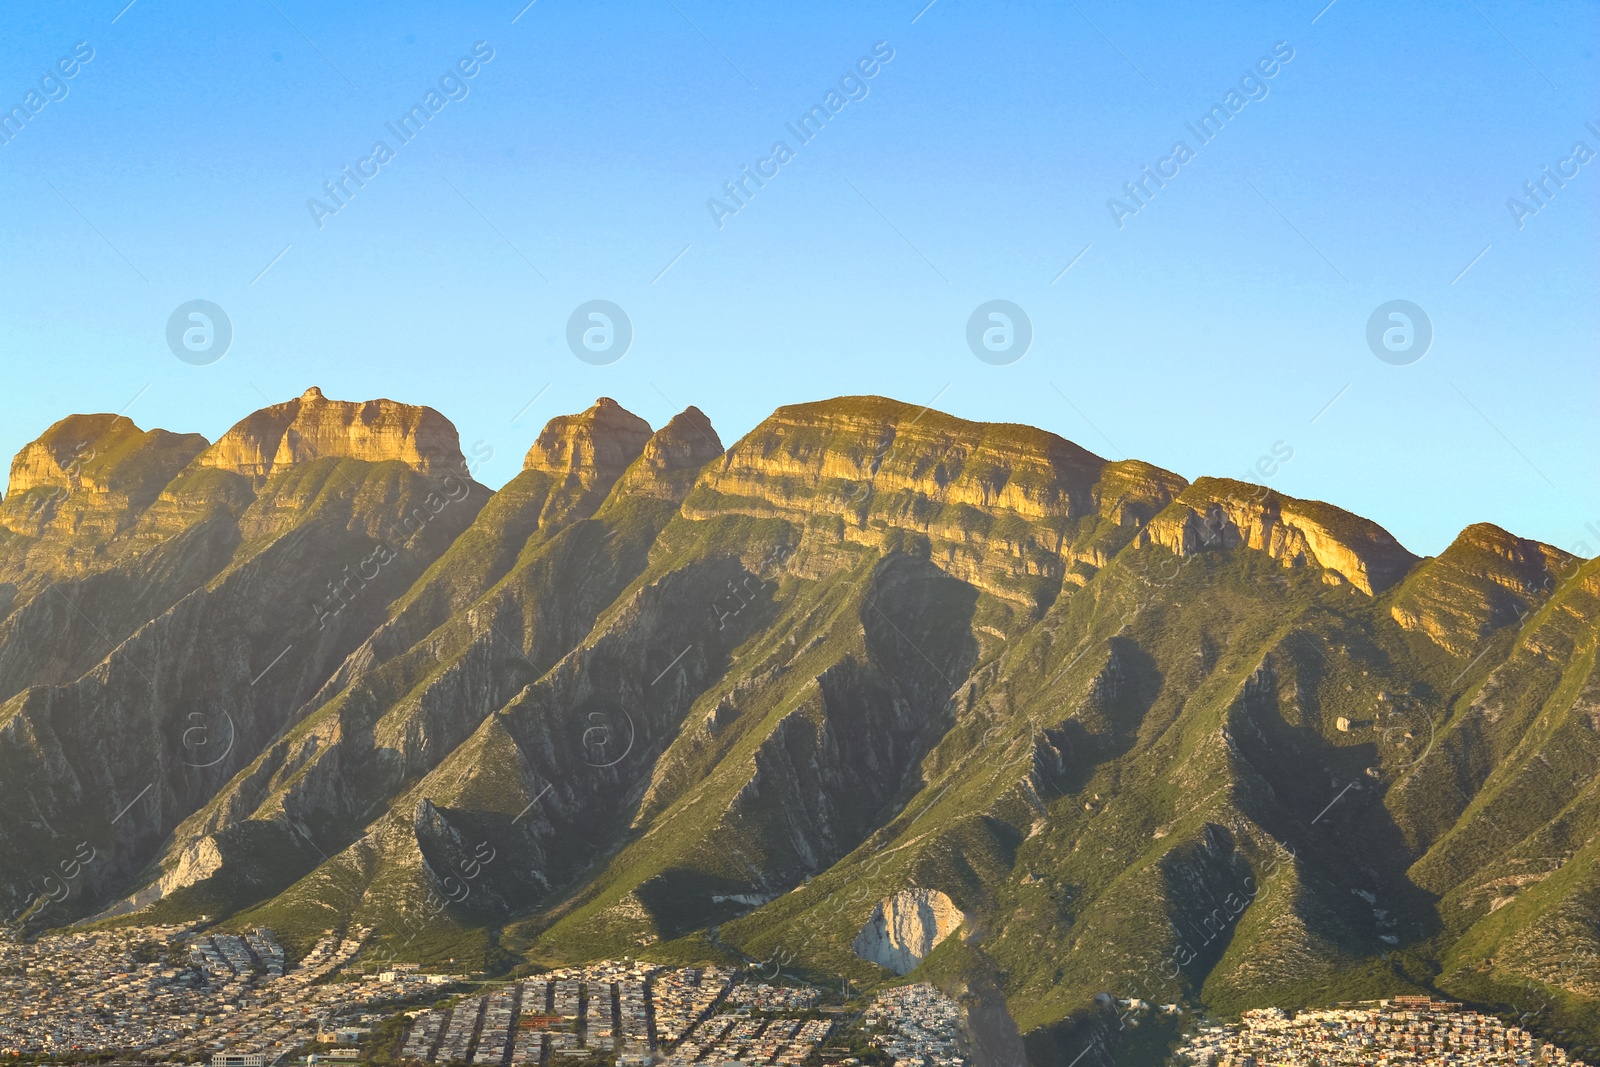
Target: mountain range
x: 875, y: 691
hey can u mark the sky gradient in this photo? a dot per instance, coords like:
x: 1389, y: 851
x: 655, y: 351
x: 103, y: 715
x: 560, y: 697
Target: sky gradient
x: 1225, y: 316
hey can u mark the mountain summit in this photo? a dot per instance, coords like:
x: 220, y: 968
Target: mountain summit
x: 312, y: 427
x: 590, y: 448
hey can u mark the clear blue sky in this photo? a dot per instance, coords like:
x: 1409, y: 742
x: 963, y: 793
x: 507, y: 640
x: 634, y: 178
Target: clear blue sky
x: 1222, y: 317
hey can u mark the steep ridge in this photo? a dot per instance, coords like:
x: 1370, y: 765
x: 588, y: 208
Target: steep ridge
x: 1519, y: 760
x: 72, y: 624
x: 167, y: 713
x: 360, y: 742
x: 802, y: 747
x: 566, y: 476
x: 539, y: 787
x: 88, y: 550
x: 591, y: 449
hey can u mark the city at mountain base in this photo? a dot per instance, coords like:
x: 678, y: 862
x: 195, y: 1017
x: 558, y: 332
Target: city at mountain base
x: 173, y: 994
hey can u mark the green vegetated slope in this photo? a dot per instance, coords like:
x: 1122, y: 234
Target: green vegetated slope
x: 1196, y: 744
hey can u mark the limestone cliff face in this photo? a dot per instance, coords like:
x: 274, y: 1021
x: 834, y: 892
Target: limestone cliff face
x: 806, y: 455
x: 77, y: 499
x: 592, y: 448
x: 1014, y: 510
x: 1486, y: 579
x: 1130, y: 492
x: 312, y: 427
x: 97, y: 471
x: 1221, y: 513
x: 685, y: 444
x: 906, y: 927
x: 197, y: 862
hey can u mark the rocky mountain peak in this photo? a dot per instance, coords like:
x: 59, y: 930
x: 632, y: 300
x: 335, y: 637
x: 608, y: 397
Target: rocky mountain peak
x: 312, y: 427
x: 686, y: 443
x: 592, y: 447
x: 49, y: 460
x: 689, y: 436
x: 1487, y: 578
x: 1486, y: 543
x: 1223, y: 513
x: 101, y: 453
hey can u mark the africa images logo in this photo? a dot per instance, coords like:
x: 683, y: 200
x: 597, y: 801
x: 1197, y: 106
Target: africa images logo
x: 852, y: 86
x: 1251, y: 86
x: 199, y: 332
x: 452, y: 86
x: 599, y: 332
x: 52, y: 88
x: 1399, y: 332
x: 999, y: 332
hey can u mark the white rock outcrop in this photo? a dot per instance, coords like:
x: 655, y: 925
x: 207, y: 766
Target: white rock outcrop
x: 906, y: 927
x: 198, y: 861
